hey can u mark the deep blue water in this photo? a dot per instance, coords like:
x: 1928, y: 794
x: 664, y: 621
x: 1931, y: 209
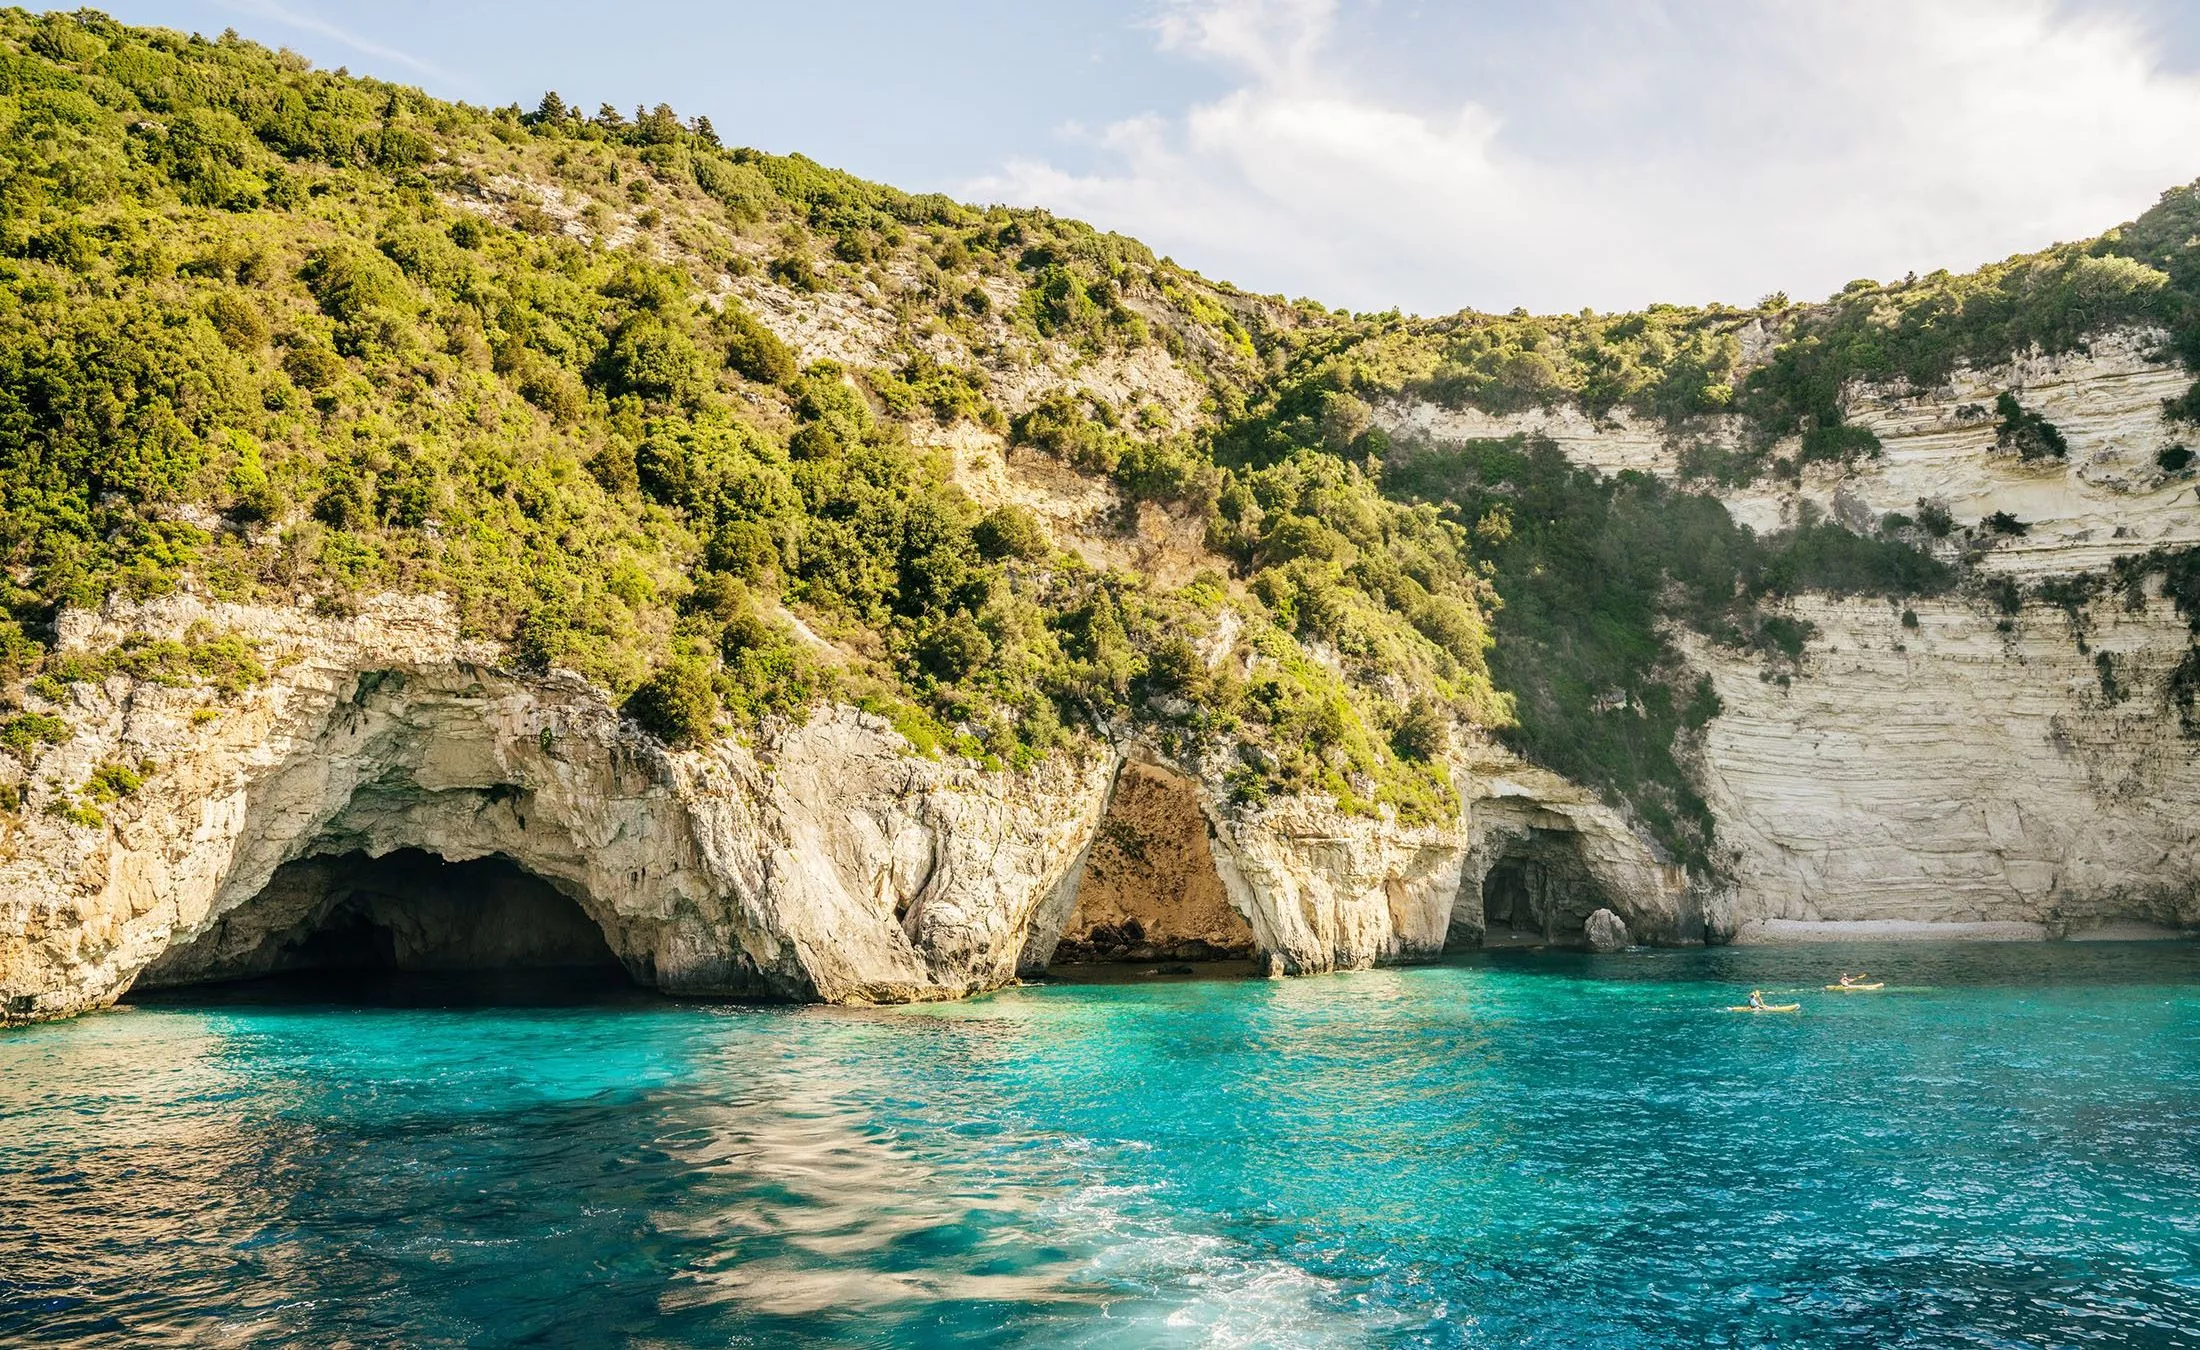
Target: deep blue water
x: 2002, y: 1149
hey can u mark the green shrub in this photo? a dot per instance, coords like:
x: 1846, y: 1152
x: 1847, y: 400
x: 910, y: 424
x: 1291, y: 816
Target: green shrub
x: 651, y: 359
x: 1167, y: 471
x: 2026, y: 432
x: 238, y: 321
x: 1786, y: 635
x: 955, y: 648
x: 752, y: 349
x: 25, y: 732
x: 765, y: 672
x: 313, y: 365
x: 1011, y: 531
x: 1424, y: 733
x: 1071, y: 427
x: 794, y: 271
x: 676, y: 704
x: 111, y: 782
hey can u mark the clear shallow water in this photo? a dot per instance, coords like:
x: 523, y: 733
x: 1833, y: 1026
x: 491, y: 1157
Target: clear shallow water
x: 2002, y: 1149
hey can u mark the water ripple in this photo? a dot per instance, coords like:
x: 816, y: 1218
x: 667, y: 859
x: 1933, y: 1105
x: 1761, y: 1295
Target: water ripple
x: 1580, y: 1151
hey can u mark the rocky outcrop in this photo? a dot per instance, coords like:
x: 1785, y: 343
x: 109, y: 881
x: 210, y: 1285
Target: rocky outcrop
x: 826, y: 861
x: 1605, y: 932
x: 1323, y: 890
x: 2109, y: 496
x: 1962, y: 766
x: 1534, y: 837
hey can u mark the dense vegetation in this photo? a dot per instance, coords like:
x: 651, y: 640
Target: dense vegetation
x: 270, y: 332
x: 1594, y: 570
x: 1590, y: 572
x: 1594, y: 574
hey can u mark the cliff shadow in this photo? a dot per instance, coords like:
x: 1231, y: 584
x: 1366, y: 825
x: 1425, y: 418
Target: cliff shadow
x: 1146, y: 890
x: 404, y: 923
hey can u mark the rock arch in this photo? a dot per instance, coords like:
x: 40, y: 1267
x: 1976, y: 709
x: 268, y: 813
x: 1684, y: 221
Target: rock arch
x: 1146, y: 887
x: 1538, y: 886
x: 464, y: 762
x: 1543, y: 855
x: 825, y: 862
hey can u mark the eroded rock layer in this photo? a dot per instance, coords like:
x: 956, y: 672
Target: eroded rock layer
x: 826, y: 861
x: 2026, y: 772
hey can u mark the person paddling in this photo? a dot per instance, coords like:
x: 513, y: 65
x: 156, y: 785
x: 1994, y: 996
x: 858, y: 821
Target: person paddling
x: 1757, y: 999
x: 1849, y: 981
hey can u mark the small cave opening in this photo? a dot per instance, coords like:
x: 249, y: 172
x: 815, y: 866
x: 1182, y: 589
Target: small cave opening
x: 1150, y: 892
x: 1538, y: 890
x: 407, y: 926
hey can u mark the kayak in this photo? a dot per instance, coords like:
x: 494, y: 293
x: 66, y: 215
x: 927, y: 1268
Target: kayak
x: 1769, y: 1007
x: 1844, y: 988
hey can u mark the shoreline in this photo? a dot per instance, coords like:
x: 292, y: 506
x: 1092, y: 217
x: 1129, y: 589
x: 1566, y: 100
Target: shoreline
x: 1802, y: 932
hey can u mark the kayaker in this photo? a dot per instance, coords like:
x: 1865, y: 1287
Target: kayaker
x: 1849, y: 981
x: 1757, y: 999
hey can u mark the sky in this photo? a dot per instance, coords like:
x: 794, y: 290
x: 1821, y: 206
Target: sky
x: 1551, y: 154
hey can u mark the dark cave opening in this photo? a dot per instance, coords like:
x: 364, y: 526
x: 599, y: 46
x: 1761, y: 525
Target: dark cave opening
x: 1538, y: 890
x: 406, y: 927
x: 1508, y: 902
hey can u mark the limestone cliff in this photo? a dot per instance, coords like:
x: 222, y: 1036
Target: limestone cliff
x: 1959, y: 764
x: 823, y: 861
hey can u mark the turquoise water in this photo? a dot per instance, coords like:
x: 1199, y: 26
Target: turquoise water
x: 2002, y: 1149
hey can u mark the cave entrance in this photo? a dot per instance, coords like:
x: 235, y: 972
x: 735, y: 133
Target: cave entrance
x: 409, y: 921
x: 1538, y: 890
x: 1150, y: 892
x: 1508, y: 899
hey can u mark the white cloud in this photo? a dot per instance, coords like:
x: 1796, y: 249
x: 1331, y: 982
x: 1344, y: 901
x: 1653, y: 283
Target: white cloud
x: 1707, y: 151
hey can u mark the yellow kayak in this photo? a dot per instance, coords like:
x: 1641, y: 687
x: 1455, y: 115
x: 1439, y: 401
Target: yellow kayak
x: 1769, y: 1007
x: 1844, y: 988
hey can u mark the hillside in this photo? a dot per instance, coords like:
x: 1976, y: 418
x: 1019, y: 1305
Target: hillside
x: 732, y: 435
x: 682, y: 418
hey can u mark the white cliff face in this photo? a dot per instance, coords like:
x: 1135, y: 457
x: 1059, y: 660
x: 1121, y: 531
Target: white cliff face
x: 1615, y: 442
x: 823, y: 862
x: 1954, y: 773
x: 2107, y: 498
